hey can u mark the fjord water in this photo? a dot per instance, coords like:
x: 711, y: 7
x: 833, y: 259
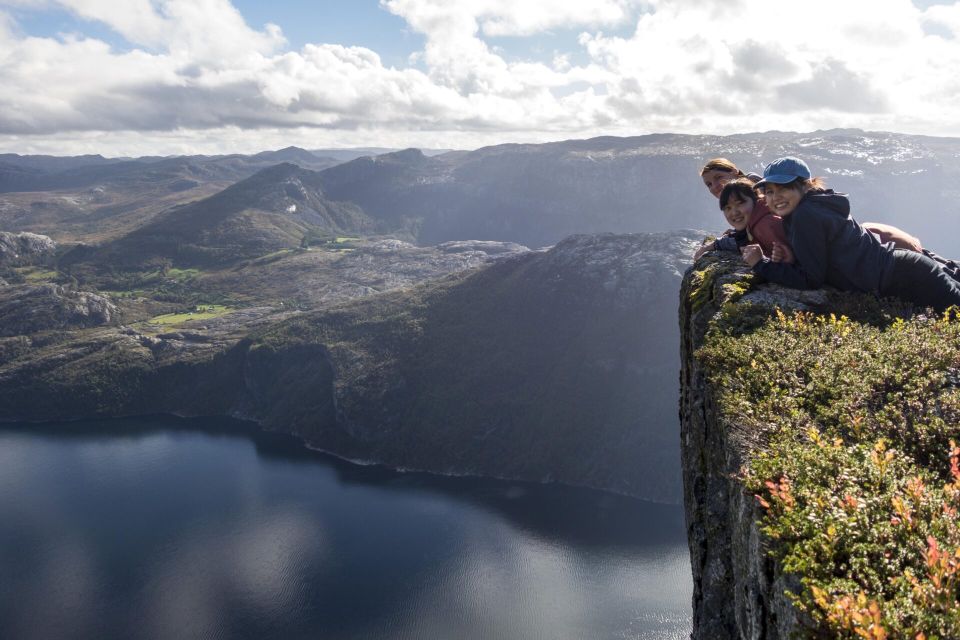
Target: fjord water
x: 165, y: 528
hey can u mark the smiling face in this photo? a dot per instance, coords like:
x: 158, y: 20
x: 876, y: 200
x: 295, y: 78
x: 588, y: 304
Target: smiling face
x: 714, y: 180
x: 782, y: 199
x: 737, y: 212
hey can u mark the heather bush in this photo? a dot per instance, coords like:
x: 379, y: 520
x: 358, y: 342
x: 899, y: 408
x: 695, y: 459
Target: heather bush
x: 855, y: 466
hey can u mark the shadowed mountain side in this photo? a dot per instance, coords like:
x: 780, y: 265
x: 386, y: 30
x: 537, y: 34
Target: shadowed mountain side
x: 558, y: 365
x: 271, y: 210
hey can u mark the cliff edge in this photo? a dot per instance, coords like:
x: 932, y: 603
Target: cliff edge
x: 821, y: 478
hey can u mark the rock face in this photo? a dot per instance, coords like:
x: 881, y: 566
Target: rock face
x: 738, y: 589
x: 27, y: 309
x: 22, y: 249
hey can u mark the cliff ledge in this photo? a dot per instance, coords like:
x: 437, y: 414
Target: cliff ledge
x: 821, y: 478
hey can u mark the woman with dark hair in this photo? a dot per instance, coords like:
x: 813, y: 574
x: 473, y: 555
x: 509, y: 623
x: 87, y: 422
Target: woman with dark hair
x: 718, y: 172
x: 832, y: 248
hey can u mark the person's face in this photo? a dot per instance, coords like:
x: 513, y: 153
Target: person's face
x: 737, y: 212
x: 781, y: 199
x: 714, y: 180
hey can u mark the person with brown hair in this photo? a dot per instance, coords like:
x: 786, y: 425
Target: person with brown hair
x: 833, y: 248
x: 717, y: 172
x: 751, y: 220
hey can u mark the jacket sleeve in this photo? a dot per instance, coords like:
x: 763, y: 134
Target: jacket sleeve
x: 811, y: 249
x: 769, y: 230
x: 727, y: 243
x: 789, y: 275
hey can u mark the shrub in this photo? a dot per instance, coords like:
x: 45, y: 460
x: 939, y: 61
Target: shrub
x: 857, y: 471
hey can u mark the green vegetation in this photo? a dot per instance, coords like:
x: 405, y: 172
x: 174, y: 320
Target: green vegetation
x: 199, y: 312
x: 856, y: 467
x: 36, y: 275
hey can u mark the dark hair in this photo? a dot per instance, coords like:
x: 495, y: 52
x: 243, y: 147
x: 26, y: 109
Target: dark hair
x: 742, y: 188
x: 721, y: 164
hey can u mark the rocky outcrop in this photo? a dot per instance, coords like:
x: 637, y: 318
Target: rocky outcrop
x: 22, y: 249
x: 739, y: 592
x: 27, y: 309
x: 321, y: 278
x: 554, y: 366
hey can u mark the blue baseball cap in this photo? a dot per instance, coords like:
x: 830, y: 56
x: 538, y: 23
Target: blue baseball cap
x: 784, y: 170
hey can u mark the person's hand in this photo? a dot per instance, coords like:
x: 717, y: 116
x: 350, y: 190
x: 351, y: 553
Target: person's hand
x: 752, y: 254
x: 704, y: 248
x: 782, y: 253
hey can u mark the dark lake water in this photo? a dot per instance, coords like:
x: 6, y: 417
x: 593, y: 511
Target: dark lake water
x: 165, y: 528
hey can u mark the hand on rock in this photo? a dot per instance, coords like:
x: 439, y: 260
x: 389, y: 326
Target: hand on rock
x: 752, y: 254
x: 704, y: 248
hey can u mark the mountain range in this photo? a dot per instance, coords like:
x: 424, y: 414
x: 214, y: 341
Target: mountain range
x: 532, y: 194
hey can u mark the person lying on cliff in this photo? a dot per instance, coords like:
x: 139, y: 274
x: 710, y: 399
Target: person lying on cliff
x: 716, y: 173
x: 752, y: 222
x: 832, y: 248
x: 719, y: 171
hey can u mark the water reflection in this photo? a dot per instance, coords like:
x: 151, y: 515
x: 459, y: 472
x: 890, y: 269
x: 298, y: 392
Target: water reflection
x: 151, y: 528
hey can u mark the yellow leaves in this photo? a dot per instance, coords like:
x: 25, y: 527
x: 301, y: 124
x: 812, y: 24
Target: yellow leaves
x: 881, y: 457
x: 857, y: 614
x: 916, y: 489
x: 903, y: 512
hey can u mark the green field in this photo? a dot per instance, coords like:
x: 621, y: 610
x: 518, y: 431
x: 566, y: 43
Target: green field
x: 201, y: 312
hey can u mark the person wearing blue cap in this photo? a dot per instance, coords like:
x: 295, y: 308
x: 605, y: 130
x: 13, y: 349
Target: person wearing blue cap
x: 830, y: 247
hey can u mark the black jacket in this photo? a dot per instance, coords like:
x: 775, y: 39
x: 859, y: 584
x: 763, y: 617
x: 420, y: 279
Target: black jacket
x: 830, y: 247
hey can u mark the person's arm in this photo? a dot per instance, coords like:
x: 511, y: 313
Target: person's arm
x: 727, y: 243
x: 768, y: 231
x: 810, y: 235
x: 888, y: 233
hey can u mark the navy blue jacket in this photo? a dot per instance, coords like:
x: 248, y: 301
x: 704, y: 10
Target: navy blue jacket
x: 731, y: 241
x: 830, y: 247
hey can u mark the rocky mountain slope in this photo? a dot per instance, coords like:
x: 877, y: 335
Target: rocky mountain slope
x: 556, y: 365
x: 271, y: 210
x: 22, y: 249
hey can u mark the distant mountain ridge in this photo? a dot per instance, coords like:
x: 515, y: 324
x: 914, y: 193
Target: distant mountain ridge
x: 271, y: 210
x: 38, y: 173
x: 537, y: 194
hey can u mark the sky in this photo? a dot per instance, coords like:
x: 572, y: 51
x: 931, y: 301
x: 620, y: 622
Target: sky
x: 163, y: 77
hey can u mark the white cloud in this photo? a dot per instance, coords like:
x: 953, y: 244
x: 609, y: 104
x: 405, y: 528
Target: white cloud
x: 195, y: 66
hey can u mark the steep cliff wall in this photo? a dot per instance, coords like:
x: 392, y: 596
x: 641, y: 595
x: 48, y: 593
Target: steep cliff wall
x: 738, y: 592
x: 821, y: 478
